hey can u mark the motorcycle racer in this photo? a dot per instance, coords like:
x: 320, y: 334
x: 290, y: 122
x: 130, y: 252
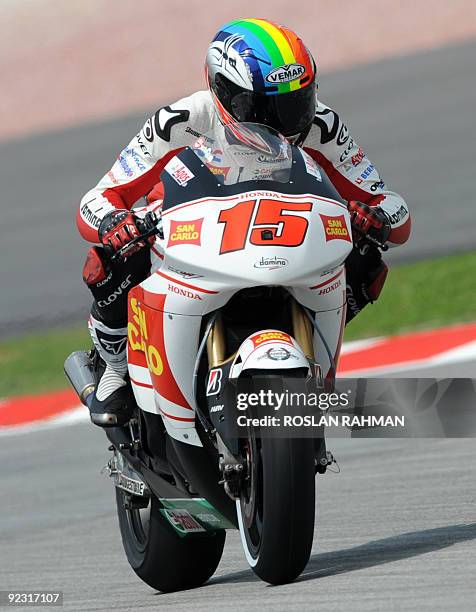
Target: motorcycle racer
x: 256, y: 71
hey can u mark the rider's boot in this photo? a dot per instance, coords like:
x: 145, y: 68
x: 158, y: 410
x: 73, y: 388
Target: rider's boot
x: 365, y: 276
x: 109, y: 282
x: 112, y: 403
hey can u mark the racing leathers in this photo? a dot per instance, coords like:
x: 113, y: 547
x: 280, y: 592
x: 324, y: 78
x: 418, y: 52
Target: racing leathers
x: 136, y: 173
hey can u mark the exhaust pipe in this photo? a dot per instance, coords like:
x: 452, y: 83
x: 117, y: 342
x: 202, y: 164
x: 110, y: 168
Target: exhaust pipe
x: 79, y: 370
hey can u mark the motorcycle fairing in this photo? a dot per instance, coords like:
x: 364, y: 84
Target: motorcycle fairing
x: 199, y: 275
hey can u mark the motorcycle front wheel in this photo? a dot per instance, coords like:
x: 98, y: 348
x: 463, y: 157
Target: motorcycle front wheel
x: 276, y: 506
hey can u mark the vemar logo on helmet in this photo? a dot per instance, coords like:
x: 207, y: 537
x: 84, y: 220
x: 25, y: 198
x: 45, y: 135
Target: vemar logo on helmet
x: 284, y: 74
x: 193, y: 265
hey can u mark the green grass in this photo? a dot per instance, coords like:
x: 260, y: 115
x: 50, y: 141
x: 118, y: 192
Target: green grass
x: 34, y: 363
x: 428, y: 294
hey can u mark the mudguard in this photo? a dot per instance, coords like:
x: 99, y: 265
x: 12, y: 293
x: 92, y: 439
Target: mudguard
x: 268, y: 349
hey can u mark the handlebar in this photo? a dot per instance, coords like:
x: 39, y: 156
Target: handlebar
x: 370, y: 240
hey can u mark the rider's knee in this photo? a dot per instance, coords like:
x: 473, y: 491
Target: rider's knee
x: 110, y: 282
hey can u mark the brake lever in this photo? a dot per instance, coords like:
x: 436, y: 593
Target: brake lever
x: 380, y: 245
x: 369, y: 239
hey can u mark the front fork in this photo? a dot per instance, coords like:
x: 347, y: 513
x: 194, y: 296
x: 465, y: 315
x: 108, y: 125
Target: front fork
x: 235, y: 468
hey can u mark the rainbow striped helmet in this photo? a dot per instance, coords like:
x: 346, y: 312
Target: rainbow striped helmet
x: 259, y: 71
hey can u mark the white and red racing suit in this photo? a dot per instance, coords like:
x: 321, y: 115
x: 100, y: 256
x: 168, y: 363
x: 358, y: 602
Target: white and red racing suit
x: 138, y: 167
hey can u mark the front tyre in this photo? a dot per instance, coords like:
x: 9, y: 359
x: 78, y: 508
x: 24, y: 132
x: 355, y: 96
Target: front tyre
x: 159, y: 556
x: 276, y: 507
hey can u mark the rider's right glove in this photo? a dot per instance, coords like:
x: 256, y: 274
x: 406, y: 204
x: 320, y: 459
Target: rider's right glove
x: 369, y: 221
x: 117, y: 229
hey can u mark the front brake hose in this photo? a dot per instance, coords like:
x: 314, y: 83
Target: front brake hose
x: 324, y: 342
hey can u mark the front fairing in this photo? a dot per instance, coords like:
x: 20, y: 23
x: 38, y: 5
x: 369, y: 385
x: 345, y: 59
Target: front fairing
x: 195, y: 240
x: 222, y: 235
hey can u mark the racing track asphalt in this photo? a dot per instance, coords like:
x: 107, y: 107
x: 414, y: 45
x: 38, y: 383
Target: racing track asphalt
x: 414, y: 115
x: 395, y: 530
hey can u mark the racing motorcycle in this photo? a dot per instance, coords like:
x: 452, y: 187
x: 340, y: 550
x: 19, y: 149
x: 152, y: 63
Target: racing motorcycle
x: 248, y: 283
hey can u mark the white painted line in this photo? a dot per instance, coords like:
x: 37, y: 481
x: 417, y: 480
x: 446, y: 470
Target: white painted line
x: 76, y: 415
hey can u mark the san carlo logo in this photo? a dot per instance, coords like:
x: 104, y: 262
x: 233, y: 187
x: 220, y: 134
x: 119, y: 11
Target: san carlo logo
x: 270, y: 263
x: 335, y: 228
x: 185, y: 232
x: 270, y: 336
x: 286, y: 73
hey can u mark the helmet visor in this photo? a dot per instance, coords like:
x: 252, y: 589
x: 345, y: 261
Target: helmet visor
x: 289, y: 113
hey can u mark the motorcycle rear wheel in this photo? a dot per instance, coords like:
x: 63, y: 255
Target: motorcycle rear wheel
x: 159, y: 556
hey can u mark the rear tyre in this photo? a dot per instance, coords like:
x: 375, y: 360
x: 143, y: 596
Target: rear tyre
x: 159, y: 556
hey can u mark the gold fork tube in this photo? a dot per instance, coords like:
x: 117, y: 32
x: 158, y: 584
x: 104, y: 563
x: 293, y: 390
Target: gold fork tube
x: 302, y: 330
x: 216, y: 343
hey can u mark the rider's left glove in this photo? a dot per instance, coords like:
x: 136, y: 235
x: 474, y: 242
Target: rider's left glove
x: 117, y: 229
x: 369, y: 221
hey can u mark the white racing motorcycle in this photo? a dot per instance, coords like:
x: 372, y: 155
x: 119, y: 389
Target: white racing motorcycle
x: 248, y: 282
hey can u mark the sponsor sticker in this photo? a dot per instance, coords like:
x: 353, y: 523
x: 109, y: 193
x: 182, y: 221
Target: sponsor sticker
x: 142, y: 145
x: 335, y: 228
x: 184, y: 274
x: 311, y: 167
x: 401, y: 213
x: 329, y: 288
x: 367, y: 172
x: 183, y: 521
x: 125, y: 165
x: 112, y: 178
x: 117, y: 293
x: 263, y: 174
x: 214, y: 381
x: 202, y: 149
x: 217, y: 408
x: 219, y: 171
x: 377, y: 185
x: 132, y: 154
x: 136, y: 487
x: 286, y: 73
x: 358, y: 157
x: 185, y: 232
x: 270, y: 263
x: 179, y: 172
x: 183, y: 292
x: 347, y: 150
x: 278, y: 354
x: 259, y: 339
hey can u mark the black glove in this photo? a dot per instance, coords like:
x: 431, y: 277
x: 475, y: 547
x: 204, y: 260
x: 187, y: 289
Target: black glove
x: 369, y: 221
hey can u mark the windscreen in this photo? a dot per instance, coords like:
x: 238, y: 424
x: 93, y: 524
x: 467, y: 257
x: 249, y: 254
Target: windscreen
x: 241, y: 152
